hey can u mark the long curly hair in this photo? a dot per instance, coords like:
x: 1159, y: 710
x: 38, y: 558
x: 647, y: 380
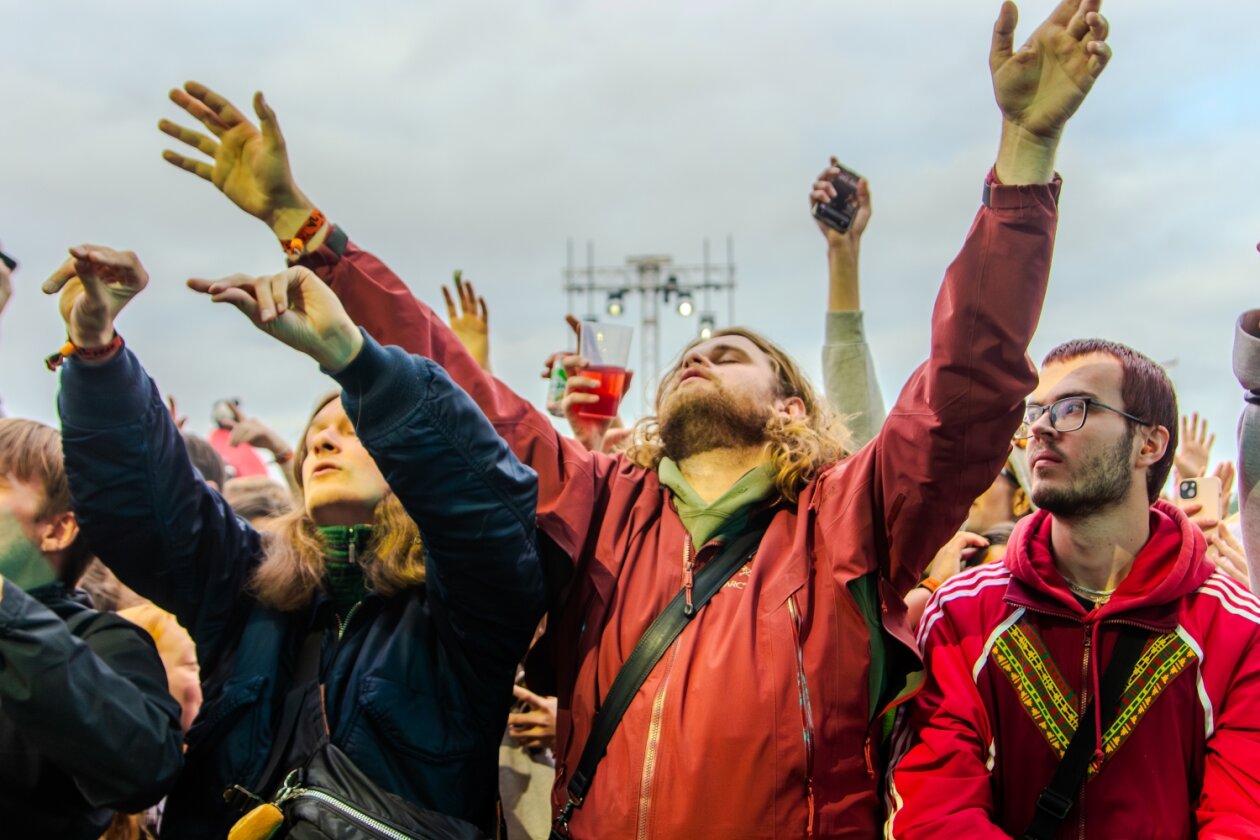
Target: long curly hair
x: 800, y: 447
x: 292, y: 569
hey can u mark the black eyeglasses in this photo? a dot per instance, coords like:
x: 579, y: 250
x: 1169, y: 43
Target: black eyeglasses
x: 1066, y: 415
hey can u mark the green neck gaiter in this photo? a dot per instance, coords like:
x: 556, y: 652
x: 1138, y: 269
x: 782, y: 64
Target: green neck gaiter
x: 343, y: 576
x: 725, y: 516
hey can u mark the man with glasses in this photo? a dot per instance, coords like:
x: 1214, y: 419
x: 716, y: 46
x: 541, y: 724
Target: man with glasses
x: 1104, y: 593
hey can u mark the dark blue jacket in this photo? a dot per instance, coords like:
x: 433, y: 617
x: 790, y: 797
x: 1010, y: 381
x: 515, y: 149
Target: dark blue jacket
x: 418, y: 688
x: 87, y: 723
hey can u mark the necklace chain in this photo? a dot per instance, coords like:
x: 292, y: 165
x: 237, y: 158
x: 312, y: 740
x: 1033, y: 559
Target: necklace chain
x: 1098, y: 596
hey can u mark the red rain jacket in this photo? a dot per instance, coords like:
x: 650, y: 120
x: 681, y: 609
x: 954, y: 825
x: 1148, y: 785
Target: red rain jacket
x: 758, y: 722
x: 1012, y: 660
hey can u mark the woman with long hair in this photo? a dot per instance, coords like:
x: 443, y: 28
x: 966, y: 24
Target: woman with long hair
x: 413, y: 553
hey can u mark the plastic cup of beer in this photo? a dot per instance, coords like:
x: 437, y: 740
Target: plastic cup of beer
x: 606, y: 348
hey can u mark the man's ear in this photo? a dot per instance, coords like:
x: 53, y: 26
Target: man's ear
x: 1020, y: 505
x: 791, y: 407
x: 1154, y: 445
x: 58, y: 532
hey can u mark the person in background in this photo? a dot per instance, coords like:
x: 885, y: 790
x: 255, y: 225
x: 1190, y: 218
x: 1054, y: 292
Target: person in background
x: 848, y: 369
x: 1247, y: 369
x: 87, y: 726
x: 258, y: 500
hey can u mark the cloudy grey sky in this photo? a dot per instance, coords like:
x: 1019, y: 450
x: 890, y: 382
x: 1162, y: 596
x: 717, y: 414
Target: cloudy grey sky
x: 483, y: 135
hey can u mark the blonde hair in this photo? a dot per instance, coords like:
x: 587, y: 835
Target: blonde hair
x: 800, y: 447
x: 292, y: 570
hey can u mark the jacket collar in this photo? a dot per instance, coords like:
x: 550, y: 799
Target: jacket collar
x: 1170, y: 566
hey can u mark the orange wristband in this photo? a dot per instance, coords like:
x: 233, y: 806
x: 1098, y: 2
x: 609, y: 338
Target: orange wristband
x: 295, y: 247
x: 931, y: 584
x: 86, y: 353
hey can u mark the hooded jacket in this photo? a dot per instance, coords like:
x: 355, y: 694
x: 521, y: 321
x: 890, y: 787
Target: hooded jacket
x: 760, y: 721
x: 1012, y: 660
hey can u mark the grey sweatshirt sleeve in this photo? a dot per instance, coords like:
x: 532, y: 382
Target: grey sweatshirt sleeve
x: 849, y: 376
x: 1247, y: 369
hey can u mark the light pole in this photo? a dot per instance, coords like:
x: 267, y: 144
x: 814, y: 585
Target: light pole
x: 658, y: 282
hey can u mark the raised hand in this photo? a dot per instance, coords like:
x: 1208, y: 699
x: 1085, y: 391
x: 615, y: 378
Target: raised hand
x: 1194, y: 448
x: 96, y: 283
x: 296, y: 308
x: 1039, y: 86
x: 254, y: 432
x: 249, y: 163
x: 471, y: 323
x: 1228, y: 555
x: 824, y: 191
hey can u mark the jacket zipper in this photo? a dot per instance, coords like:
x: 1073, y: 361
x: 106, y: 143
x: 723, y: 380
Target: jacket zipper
x: 1080, y: 721
x: 348, y: 811
x: 653, y: 746
x: 342, y: 624
x: 807, y: 713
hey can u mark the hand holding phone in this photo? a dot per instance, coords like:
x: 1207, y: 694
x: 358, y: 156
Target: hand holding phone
x: 1201, y: 495
x: 838, y: 213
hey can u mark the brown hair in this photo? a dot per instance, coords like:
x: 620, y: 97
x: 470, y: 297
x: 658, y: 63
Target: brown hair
x: 799, y: 447
x: 1145, y: 389
x: 31, y: 453
x: 292, y: 570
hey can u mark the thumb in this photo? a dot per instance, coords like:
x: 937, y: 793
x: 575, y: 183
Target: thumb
x: 520, y: 692
x: 58, y: 278
x: 1003, y: 35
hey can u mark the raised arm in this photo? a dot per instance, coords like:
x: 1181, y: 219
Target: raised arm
x: 250, y: 166
x: 472, y: 499
x: 96, y: 707
x: 948, y: 434
x: 145, y: 512
x: 1247, y: 369
x: 848, y: 369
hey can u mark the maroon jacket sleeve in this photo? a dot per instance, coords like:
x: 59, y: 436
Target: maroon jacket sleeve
x: 950, y: 430
x: 570, y: 479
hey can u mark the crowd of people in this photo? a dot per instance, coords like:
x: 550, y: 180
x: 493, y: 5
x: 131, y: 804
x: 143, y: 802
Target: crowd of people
x: 764, y: 611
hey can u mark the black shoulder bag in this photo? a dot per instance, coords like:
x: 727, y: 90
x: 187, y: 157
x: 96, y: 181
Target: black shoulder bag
x: 1056, y: 801
x: 656, y: 640
x: 327, y: 797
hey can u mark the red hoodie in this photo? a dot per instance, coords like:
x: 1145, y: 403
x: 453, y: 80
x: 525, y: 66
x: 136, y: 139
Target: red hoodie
x: 1013, y: 659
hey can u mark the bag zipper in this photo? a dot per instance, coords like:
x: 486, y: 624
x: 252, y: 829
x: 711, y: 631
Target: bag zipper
x: 290, y: 792
x: 807, y: 713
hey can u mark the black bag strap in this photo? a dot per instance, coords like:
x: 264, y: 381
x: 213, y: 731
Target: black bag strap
x: 1057, y: 799
x: 651, y: 647
x: 305, y: 673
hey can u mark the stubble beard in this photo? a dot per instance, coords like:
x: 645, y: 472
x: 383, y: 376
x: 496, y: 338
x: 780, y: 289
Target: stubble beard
x: 1106, y: 480
x: 711, y: 419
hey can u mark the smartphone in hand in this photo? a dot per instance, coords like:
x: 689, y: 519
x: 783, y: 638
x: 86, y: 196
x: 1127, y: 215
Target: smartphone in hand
x: 839, y: 212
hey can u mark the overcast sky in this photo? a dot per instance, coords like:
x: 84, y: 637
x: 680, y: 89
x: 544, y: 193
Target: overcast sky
x: 483, y: 136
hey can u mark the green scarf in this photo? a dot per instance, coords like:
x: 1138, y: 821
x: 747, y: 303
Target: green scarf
x: 725, y: 516
x: 343, y: 576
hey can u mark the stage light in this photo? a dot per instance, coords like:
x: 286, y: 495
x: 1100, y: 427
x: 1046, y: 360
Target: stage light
x: 615, y: 305
x: 685, y: 307
x: 707, y: 325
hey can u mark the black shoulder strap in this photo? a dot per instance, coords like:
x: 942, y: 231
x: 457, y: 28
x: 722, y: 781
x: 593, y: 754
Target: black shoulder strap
x: 1057, y: 799
x: 305, y: 673
x: 656, y: 640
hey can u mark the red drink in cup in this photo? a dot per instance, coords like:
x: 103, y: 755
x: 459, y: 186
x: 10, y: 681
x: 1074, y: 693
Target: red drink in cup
x: 607, y: 349
x: 612, y: 384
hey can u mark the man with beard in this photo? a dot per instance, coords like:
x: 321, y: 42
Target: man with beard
x: 1020, y: 655
x: 762, y: 719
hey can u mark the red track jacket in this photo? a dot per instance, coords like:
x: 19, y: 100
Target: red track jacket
x: 1012, y: 659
